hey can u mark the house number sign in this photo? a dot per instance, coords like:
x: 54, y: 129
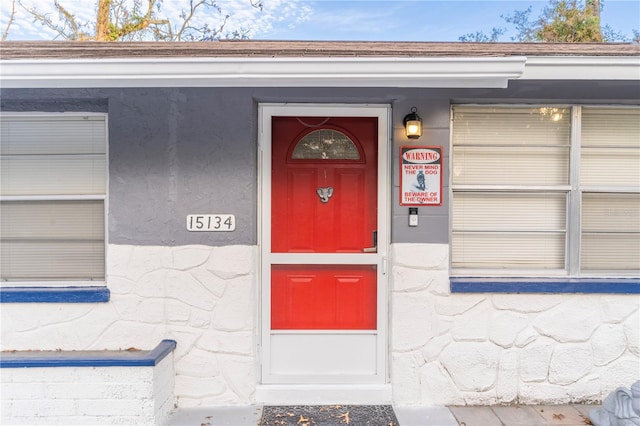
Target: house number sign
x: 211, y: 222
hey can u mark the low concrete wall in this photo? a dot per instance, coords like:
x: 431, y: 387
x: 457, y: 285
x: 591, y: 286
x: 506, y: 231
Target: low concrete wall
x: 64, y: 393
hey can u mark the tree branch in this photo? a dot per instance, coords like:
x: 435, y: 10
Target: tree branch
x: 11, y: 18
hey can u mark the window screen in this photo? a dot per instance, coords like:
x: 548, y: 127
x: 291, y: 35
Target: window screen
x: 53, y: 187
x: 547, y: 190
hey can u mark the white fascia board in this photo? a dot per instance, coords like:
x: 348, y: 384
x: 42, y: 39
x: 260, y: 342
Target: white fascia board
x: 582, y: 68
x: 262, y: 72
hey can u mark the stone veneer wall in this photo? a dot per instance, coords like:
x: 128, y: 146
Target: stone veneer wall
x: 202, y: 297
x: 503, y: 348
x: 446, y: 349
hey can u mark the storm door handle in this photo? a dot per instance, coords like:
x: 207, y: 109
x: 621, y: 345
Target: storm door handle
x: 373, y: 249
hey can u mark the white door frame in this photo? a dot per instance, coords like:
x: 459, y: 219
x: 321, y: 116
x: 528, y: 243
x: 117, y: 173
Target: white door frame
x: 265, y: 113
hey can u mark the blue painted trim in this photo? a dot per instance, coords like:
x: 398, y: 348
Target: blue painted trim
x: 546, y: 285
x: 22, y: 359
x: 54, y: 294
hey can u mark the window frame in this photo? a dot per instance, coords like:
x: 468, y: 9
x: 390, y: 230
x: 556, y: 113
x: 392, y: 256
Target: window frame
x: 571, y: 278
x: 20, y: 291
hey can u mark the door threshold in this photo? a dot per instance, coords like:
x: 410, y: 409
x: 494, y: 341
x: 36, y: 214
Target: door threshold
x: 323, y: 394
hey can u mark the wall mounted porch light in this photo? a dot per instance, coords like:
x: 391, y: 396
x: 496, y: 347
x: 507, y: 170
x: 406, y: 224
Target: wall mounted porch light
x: 413, y: 124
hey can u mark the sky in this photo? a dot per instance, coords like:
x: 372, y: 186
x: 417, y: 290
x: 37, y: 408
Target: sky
x: 370, y: 20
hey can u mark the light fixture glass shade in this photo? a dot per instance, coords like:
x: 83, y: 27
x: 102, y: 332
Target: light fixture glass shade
x: 413, y: 124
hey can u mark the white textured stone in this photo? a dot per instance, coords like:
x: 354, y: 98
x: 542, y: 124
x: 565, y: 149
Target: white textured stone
x: 534, y: 360
x: 185, y: 336
x: 526, y: 302
x: 182, y: 286
x: 234, y: 311
x: 230, y: 262
x: 472, y: 366
x: 136, y: 308
x: 405, y: 378
x: 421, y: 256
x: 411, y: 279
x: 584, y: 391
x: 473, y: 324
x: 570, y: 362
x: 487, y: 397
x: 526, y: 336
x: 574, y: 320
x: 458, y: 304
x: 239, y: 373
x: 631, y: 331
x: 151, y: 284
x: 190, y: 257
x: 434, y: 347
x: 505, y: 326
x: 508, y: 379
x: 77, y: 334
x: 177, y: 312
x: 119, y: 257
x: 198, y: 363
x: 146, y: 259
x: 616, y: 309
x: 440, y: 284
x: 214, y: 284
x: 236, y: 342
x: 17, y: 320
x: 437, y: 388
x: 200, y: 318
x: 413, y: 320
x: 608, y: 343
x: 198, y: 386
x: 128, y: 334
x: 622, y: 372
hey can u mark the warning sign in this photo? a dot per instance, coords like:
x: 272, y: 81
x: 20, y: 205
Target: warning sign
x: 421, y: 176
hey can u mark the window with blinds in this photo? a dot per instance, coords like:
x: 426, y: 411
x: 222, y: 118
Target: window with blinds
x: 53, y: 177
x: 545, y: 191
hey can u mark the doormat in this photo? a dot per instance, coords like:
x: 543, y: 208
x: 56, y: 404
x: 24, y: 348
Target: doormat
x: 329, y: 415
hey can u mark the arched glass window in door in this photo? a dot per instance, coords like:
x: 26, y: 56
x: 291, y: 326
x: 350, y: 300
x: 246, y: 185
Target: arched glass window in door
x: 325, y: 144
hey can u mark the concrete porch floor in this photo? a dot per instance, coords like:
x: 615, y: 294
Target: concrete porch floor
x: 516, y: 415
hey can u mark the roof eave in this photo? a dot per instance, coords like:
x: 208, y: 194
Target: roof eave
x: 421, y: 72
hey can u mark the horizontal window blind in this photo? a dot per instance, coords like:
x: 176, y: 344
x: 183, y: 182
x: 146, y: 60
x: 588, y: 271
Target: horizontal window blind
x: 508, y: 251
x: 502, y: 147
x: 610, y: 147
x: 486, y: 211
x: 511, y: 166
x: 610, y: 231
x: 496, y: 227
x: 610, y: 159
x: 53, y: 186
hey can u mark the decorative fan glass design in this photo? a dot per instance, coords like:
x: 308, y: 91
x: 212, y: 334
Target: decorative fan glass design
x: 325, y: 144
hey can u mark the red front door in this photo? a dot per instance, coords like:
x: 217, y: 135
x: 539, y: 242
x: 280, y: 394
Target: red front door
x: 324, y: 201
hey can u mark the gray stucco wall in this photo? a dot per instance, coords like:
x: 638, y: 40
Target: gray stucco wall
x: 177, y: 151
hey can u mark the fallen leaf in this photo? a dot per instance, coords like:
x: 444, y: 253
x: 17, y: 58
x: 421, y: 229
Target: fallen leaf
x: 558, y: 416
x: 303, y: 420
x: 345, y: 417
x: 585, y: 420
